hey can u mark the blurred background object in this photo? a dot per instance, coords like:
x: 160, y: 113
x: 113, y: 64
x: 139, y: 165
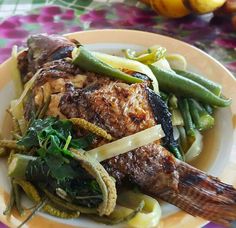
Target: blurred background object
x: 181, y: 8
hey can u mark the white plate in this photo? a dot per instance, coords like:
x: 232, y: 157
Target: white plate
x: 219, y: 143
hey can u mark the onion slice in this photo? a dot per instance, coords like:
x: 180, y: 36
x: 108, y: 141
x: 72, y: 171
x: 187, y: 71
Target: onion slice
x: 16, y: 104
x: 195, y: 148
x: 126, y: 144
x: 123, y: 63
x: 150, y: 214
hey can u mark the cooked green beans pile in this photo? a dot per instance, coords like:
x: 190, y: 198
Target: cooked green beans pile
x: 195, y: 87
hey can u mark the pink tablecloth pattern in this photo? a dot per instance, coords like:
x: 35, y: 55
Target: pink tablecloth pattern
x: 211, y: 34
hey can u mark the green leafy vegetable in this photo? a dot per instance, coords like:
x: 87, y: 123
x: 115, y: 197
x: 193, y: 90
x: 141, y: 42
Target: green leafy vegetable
x: 52, y: 136
x: 55, y: 168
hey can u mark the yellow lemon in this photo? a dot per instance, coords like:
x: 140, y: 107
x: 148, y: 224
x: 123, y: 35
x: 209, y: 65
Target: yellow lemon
x: 170, y: 8
x: 203, y: 6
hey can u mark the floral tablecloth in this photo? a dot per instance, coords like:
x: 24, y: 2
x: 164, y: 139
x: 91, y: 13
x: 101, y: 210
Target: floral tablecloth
x: 20, y: 18
x: 24, y: 17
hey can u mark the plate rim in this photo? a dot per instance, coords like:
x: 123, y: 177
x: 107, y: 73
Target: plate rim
x: 153, y: 34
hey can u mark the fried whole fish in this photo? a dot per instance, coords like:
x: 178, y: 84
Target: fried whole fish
x: 122, y: 110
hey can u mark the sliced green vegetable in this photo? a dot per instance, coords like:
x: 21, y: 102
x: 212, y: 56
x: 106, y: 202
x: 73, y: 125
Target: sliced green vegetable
x: 119, y: 215
x: 148, y: 56
x: 150, y: 214
x: 85, y: 60
x: 176, y: 117
x: 17, y: 105
x: 202, y: 119
x: 208, y: 108
x: 183, y: 140
x: 18, y: 165
x: 163, y: 64
x: 210, y: 85
x: 195, y: 149
x: 15, y: 72
x: 176, y: 61
x: 172, y: 82
x: 173, y: 102
x: 126, y: 144
x: 188, y: 123
x: 177, y: 153
x: 122, y: 63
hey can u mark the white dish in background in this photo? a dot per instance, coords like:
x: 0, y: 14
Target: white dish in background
x: 219, y: 142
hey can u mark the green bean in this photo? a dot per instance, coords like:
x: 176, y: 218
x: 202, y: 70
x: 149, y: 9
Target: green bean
x: 86, y: 61
x: 175, y: 150
x: 208, y: 108
x: 200, y: 116
x: 188, y: 124
x: 172, y: 82
x: 183, y: 139
x: 210, y: 85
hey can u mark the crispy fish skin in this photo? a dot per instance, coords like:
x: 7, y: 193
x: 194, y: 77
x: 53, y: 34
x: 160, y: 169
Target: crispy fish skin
x: 159, y: 174
x: 122, y: 110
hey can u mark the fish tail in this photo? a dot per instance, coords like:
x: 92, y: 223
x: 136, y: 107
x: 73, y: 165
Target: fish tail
x: 202, y: 195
